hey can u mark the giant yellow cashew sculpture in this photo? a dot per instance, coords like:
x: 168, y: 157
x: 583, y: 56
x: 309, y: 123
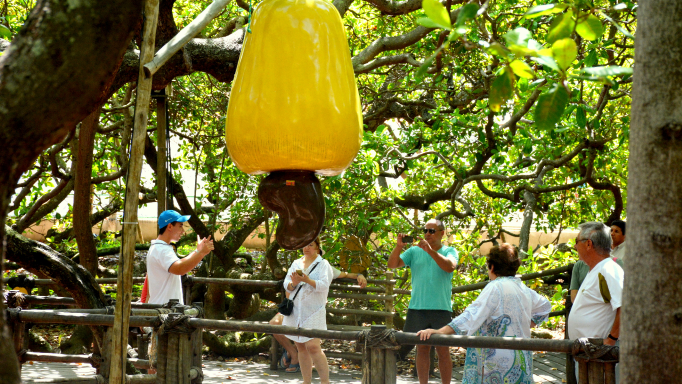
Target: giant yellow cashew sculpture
x: 294, y: 111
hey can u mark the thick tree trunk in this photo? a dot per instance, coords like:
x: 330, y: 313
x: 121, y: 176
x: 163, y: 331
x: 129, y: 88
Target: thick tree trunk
x: 82, y: 207
x: 53, y: 75
x: 277, y: 269
x: 80, y: 338
x: 40, y: 259
x: 652, y: 317
x: 528, y: 211
x: 214, y: 302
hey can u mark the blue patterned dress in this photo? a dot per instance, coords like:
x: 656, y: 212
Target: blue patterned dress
x: 504, y: 308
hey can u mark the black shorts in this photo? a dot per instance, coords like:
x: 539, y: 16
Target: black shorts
x: 420, y: 319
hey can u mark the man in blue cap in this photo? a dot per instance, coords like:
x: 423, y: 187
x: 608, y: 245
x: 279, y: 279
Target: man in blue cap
x: 164, y: 268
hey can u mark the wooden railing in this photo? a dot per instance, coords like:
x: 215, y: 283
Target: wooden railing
x: 179, y: 356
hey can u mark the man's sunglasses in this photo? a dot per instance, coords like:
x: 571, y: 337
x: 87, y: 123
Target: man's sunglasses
x: 429, y: 230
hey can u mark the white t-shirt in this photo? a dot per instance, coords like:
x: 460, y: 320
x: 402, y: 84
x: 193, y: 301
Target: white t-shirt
x: 592, y: 315
x: 619, y: 251
x: 336, y: 273
x: 163, y: 285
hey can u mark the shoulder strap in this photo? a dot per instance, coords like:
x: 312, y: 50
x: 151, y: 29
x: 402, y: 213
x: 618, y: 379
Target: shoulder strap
x: 299, y: 288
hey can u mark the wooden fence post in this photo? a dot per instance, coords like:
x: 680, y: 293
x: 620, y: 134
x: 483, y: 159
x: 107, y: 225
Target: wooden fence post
x: 379, y: 359
x: 596, y: 362
x: 179, y: 348
x: 187, y: 287
x: 570, y: 363
x: 274, y: 345
x: 196, y: 345
x: 142, y: 349
x: 105, y: 365
x: 274, y: 349
x: 18, y: 328
x: 388, y: 304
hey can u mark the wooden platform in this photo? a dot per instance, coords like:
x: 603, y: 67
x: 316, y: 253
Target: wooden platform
x: 548, y: 368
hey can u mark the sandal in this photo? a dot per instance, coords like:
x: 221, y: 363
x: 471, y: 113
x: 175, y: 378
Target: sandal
x: 285, y: 361
x: 294, y: 368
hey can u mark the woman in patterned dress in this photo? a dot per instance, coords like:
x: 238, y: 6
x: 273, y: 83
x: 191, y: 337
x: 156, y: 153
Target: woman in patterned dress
x: 505, y: 308
x: 309, y: 308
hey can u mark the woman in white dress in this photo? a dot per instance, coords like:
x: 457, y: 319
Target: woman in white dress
x: 309, y: 308
x: 505, y: 308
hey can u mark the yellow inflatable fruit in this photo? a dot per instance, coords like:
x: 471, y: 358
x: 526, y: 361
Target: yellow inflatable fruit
x: 294, y: 104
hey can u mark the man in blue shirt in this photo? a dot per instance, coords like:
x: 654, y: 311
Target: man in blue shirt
x: 432, y: 265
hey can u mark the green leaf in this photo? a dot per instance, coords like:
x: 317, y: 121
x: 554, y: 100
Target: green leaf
x: 561, y: 27
x: 591, y: 58
x: 467, y: 12
x: 498, y: 49
x: 546, y: 9
x: 550, y: 107
x: 590, y: 28
x: 546, y: 61
x: 454, y: 35
x: 501, y: 90
x: 437, y: 13
x: 581, y: 117
x: 564, y: 52
x: 521, y: 69
x: 421, y: 72
x: 426, y: 22
x: 611, y: 70
x: 618, y: 26
x: 518, y: 36
x: 5, y: 32
x: 520, y: 51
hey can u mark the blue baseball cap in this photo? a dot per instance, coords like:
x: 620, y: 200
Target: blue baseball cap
x: 171, y: 216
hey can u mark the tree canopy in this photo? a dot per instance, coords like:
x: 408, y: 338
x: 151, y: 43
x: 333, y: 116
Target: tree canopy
x: 481, y: 111
x: 485, y: 109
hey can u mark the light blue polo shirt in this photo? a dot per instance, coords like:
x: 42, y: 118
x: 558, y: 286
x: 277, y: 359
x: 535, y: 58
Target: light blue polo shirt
x: 431, y: 286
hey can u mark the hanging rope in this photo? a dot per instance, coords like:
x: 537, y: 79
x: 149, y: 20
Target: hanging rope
x: 248, y: 26
x: 382, y: 339
x: 605, y: 353
x: 174, y: 323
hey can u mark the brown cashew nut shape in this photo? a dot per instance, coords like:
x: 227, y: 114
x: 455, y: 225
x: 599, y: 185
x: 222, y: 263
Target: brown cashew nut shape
x: 296, y: 197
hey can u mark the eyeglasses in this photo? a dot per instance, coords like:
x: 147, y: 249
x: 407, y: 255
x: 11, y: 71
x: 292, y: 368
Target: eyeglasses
x: 429, y: 230
x: 577, y: 241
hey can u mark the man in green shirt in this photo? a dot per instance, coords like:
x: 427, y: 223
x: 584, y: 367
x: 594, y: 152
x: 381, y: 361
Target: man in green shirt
x: 432, y: 265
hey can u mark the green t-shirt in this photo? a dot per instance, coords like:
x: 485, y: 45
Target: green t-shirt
x: 431, y: 286
x: 580, y: 270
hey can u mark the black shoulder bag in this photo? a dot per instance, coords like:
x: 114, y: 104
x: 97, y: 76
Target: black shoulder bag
x: 287, y: 305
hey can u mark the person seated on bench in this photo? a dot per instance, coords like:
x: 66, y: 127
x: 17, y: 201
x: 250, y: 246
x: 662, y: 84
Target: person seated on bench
x: 289, y: 359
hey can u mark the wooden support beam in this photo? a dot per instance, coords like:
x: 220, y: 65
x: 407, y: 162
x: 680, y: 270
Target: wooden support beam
x: 344, y: 355
x: 360, y: 312
x: 220, y: 281
x: 184, y: 36
x: 161, y: 126
x: 56, y: 358
x: 119, y: 340
x: 360, y: 296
